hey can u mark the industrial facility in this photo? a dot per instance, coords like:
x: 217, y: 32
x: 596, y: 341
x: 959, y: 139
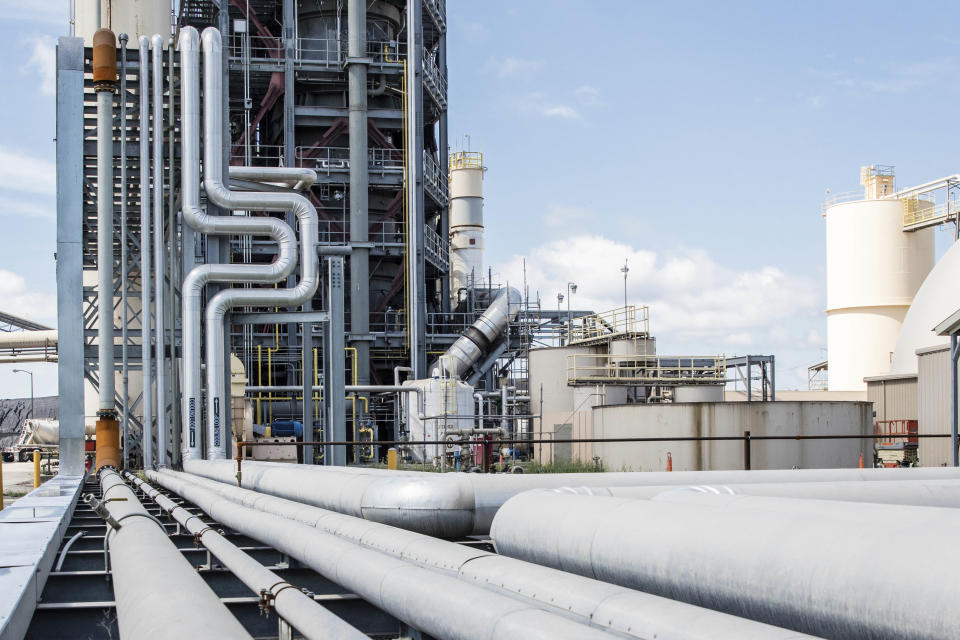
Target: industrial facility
x: 295, y: 401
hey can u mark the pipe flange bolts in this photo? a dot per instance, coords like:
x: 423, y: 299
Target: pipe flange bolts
x: 199, y: 535
x: 104, y: 60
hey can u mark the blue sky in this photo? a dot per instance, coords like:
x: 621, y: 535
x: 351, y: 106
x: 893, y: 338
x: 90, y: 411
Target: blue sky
x: 695, y: 139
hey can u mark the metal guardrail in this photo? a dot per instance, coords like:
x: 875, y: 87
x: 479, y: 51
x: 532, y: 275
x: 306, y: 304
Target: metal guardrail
x: 437, y: 12
x: 434, y: 246
x: 328, y: 52
x: 327, y: 160
x: 434, y: 181
x: 622, y: 321
x: 605, y: 368
x: 924, y: 212
x: 465, y: 160
x: 433, y: 80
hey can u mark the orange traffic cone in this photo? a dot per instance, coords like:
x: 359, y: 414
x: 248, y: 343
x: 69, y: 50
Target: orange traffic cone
x: 669, y: 462
x: 860, y: 464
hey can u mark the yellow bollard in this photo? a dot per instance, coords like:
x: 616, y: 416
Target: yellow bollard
x: 36, y: 469
x: 392, y: 458
x: 1, y: 483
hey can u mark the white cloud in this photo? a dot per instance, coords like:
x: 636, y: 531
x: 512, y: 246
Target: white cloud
x: 27, y: 208
x: 43, y: 63
x: 561, y: 111
x: 589, y: 96
x: 22, y: 172
x: 17, y: 298
x: 511, y: 66
x: 694, y: 301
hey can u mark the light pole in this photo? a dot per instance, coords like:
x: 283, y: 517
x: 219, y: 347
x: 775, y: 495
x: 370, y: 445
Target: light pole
x: 559, y: 300
x: 571, y: 289
x: 625, y: 270
x: 29, y: 373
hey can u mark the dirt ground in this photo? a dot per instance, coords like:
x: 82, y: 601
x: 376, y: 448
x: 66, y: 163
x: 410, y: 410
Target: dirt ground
x: 17, y: 480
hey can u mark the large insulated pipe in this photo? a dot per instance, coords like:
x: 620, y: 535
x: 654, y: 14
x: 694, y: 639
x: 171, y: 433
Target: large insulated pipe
x: 307, y: 616
x: 146, y: 337
x: 357, y: 61
x: 837, y: 570
x: 917, y: 493
x: 158, y: 593
x: 432, y: 601
x: 454, y: 505
x: 629, y: 612
x: 478, y: 337
x: 159, y: 253
x: 296, y: 178
x: 222, y: 196
x: 195, y: 217
x: 105, y: 84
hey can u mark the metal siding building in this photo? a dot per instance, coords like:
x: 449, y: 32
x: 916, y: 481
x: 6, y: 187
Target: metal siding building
x: 933, y: 404
x: 894, y: 397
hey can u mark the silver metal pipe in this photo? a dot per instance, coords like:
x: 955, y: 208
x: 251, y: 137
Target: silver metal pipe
x: 220, y: 195
x: 124, y: 316
x: 296, y: 178
x: 310, y: 618
x: 146, y: 565
x: 631, y: 613
x: 454, y: 505
x: 158, y: 248
x: 432, y: 601
x: 474, y: 342
x: 357, y: 61
x: 809, y: 565
x: 105, y: 248
x: 146, y: 337
x: 195, y: 217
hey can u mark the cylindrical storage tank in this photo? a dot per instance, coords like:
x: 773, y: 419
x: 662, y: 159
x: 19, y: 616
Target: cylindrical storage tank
x: 634, y: 347
x: 874, y: 270
x: 466, y: 219
x: 133, y: 17
x: 548, y: 378
x: 698, y: 393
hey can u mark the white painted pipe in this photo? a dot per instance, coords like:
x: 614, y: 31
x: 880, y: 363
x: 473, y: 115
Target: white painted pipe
x: 29, y: 339
x: 197, y: 218
x: 219, y: 194
x: 628, y: 612
x: 159, y: 252
x: 146, y: 337
x: 454, y: 505
x: 478, y: 337
x: 833, y: 569
x: 306, y: 615
x: 917, y: 493
x: 105, y: 247
x: 432, y: 601
x: 158, y: 593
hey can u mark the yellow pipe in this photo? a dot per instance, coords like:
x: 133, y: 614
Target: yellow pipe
x: 259, y: 382
x: 316, y: 383
x: 406, y: 218
x: 353, y: 367
x: 392, y: 458
x: 36, y: 469
x: 1, y: 483
x: 270, y: 352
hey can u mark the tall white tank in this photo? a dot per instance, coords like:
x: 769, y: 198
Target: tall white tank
x: 466, y: 219
x: 134, y: 17
x: 874, y: 270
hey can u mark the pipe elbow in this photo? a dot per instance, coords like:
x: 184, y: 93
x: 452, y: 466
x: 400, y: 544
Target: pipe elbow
x: 188, y: 39
x: 156, y: 42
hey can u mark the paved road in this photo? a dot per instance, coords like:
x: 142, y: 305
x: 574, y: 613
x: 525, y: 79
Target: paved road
x: 17, y: 478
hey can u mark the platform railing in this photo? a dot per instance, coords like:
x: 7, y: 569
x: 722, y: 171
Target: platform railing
x: 605, y: 368
x: 623, y: 321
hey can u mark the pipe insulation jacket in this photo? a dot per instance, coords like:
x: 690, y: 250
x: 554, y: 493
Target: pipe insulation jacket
x: 219, y: 194
x: 105, y: 249
x: 453, y: 505
x: 477, y: 338
x: 159, y: 595
x: 617, y: 609
x: 146, y: 269
x: 917, y: 493
x: 199, y: 220
x: 435, y: 602
x: 159, y: 250
x: 300, y: 610
x: 833, y: 569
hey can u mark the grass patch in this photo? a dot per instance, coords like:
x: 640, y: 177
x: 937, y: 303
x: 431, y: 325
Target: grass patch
x: 15, y: 493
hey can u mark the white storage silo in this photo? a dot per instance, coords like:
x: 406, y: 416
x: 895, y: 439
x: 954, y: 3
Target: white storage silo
x: 874, y: 270
x: 466, y: 219
x: 134, y: 17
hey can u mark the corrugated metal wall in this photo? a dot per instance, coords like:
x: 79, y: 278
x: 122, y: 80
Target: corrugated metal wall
x: 933, y: 400
x: 893, y: 399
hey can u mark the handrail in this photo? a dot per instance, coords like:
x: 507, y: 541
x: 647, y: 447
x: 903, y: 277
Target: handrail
x: 630, y: 320
x: 593, y: 368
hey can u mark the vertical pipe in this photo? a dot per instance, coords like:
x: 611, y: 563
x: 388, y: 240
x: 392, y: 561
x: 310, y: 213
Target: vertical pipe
x: 105, y: 228
x: 173, y: 259
x: 359, y: 165
x: 444, y: 157
x: 146, y: 338
x: 954, y: 437
x: 158, y: 247
x: 125, y: 375
x: 36, y: 468
x: 747, y: 464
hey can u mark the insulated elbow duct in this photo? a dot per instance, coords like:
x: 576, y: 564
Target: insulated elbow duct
x: 219, y: 194
x: 470, y: 347
x: 200, y: 221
